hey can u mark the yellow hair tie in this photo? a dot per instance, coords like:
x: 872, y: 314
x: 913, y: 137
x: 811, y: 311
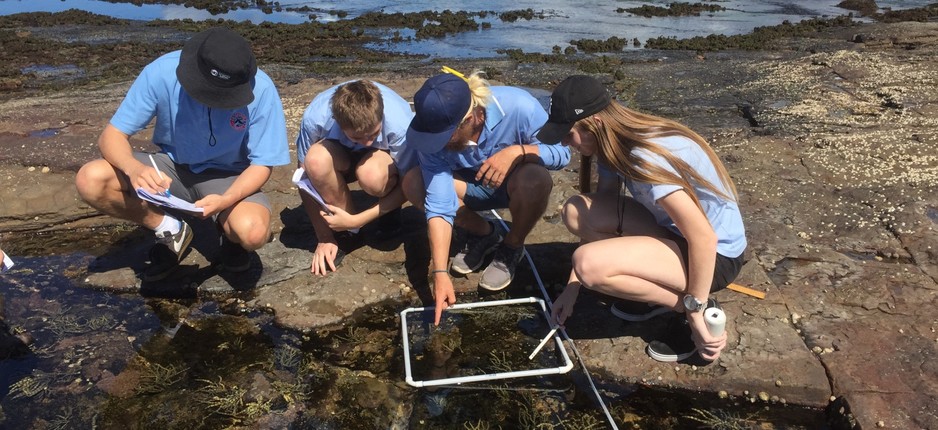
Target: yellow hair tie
x: 450, y: 70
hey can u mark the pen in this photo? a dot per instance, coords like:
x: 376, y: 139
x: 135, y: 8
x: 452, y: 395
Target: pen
x: 158, y: 172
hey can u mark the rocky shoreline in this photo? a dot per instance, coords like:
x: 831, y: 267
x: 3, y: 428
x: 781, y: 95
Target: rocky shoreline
x: 830, y: 140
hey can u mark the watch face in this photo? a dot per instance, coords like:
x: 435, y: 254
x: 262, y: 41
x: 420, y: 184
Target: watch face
x: 691, y: 303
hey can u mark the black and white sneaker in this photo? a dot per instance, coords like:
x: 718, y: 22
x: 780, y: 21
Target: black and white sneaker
x: 168, y: 251
x: 676, y: 344
x: 634, y: 311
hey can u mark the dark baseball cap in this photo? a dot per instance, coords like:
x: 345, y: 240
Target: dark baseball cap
x: 439, y: 107
x: 575, y: 98
x: 217, y: 68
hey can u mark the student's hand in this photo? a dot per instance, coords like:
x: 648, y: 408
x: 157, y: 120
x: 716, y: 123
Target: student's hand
x: 324, y: 257
x: 708, y: 346
x: 444, y: 293
x: 496, y: 168
x: 563, y: 306
x: 340, y: 220
x: 146, y: 177
x: 211, y: 204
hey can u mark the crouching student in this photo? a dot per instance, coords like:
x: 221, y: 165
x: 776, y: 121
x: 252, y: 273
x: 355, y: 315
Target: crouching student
x: 220, y: 129
x: 353, y: 131
x: 676, y: 240
x: 477, y: 150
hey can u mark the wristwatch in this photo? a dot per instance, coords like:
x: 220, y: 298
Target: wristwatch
x: 692, y: 304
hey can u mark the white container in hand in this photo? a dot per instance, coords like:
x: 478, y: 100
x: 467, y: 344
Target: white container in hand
x: 716, y: 321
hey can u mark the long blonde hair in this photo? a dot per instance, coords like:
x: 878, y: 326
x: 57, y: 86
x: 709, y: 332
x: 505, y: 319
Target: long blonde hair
x: 620, y: 130
x: 479, y: 90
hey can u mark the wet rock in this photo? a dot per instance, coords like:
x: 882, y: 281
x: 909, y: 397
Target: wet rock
x: 836, y: 183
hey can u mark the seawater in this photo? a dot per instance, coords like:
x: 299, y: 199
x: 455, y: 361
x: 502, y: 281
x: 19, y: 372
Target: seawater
x: 563, y: 20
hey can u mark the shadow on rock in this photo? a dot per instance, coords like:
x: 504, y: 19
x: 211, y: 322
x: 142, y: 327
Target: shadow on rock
x: 298, y: 233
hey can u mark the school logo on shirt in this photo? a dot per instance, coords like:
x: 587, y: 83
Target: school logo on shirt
x: 238, y: 121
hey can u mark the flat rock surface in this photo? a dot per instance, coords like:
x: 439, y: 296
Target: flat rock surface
x: 831, y: 144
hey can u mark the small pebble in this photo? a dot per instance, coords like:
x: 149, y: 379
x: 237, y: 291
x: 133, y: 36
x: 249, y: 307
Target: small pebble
x: 880, y: 424
x: 723, y: 394
x: 763, y: 396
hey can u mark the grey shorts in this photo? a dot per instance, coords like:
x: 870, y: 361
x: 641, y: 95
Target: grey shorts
x: 194, y: 186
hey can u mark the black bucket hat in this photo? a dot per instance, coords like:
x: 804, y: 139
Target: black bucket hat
x: 575, y: 98
x: 217, y: 68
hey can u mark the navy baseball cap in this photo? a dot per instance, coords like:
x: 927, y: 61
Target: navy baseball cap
x: 440, y: 105
x: 575, y: 98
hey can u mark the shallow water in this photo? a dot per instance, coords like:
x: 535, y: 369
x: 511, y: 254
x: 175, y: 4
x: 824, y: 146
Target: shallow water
x: 104, y: 360
x: 564, y: 21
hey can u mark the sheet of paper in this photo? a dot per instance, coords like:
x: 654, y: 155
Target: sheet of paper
x: 168, y: 201
x: 7, y: 263
x: 302, y: 182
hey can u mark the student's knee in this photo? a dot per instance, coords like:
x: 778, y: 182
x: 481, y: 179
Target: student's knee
x: 531, y: 181
x: 251, y: 231
x: 318, y: 162
x: 586, y: 270
x: 93, y: 178
x: 372, y: 181
x: 254, y: 234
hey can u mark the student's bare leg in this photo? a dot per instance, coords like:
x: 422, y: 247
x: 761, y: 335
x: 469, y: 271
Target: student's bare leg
x: 247, y: 224
x: 529, y: 189
x: 325, y: 164
x: 414, y: 190
x: 377, y: 175
x: 642, y: 265
x: 595, y: 216
x: 109, y: 191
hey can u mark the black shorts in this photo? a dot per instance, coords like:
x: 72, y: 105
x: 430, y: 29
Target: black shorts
x: 725, y: 269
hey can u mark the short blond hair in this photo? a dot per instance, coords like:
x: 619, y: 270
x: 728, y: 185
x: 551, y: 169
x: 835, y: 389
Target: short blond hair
x: 357, y: 106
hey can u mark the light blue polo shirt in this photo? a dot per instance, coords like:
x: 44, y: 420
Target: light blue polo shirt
x: 318, y: 123
x: 723, y: 214
x: 203, y: 137
x: 512, y: 117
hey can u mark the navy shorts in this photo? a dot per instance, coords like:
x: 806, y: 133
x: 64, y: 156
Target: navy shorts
x: 480, y: 197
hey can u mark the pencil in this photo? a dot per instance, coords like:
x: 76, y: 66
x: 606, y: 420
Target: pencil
x: 158, y: 172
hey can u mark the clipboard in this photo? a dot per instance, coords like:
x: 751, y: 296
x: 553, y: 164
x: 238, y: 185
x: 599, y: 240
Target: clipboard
x: 302, y: 182
x: 171, y: 201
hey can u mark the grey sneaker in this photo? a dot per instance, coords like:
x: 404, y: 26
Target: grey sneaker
x: 167, y: 252
x: 477, y: 248
x: 501, y: 270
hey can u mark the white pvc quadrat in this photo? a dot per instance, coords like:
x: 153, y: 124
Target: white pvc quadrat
x: 567, y: 363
